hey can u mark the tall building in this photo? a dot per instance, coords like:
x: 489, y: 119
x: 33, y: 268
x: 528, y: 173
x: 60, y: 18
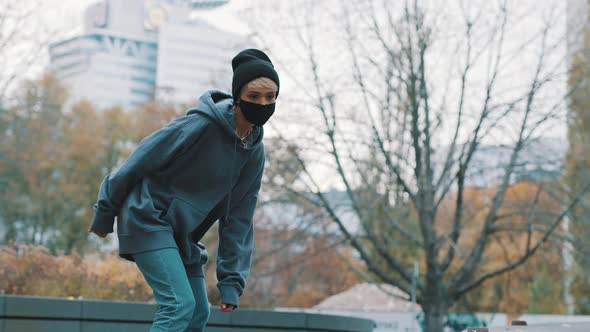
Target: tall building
x: 134, y: 50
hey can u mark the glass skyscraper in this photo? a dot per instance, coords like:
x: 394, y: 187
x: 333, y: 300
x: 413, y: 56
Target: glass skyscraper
x: 134, y: 50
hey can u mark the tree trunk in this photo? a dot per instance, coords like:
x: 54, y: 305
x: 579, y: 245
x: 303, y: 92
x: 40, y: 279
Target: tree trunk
x: 434, y: 314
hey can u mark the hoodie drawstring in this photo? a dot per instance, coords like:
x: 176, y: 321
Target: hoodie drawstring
x: 231, y: 175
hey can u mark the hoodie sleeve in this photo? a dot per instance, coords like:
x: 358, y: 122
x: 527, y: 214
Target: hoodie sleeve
x: 153, y: 152
x: 236, y: 239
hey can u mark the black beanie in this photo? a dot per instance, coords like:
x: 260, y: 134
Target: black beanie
x: 249, y: 65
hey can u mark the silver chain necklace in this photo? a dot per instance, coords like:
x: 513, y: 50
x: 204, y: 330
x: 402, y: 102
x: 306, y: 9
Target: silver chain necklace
x: 245, y: 138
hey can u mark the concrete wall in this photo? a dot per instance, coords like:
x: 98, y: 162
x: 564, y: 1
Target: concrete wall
x: 534, y: 319
x: 45, y: 314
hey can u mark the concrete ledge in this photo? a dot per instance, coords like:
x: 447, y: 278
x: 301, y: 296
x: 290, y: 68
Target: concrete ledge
x: 259, y: 318
x: 564, y: 327
x: 116, y: 311
x: 317, y: 322
x: 40, y: 314
x: 41, y: 307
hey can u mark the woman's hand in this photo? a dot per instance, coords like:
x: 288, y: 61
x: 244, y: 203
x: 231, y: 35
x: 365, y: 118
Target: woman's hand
x: 103, y: 235
x: 227, y: 307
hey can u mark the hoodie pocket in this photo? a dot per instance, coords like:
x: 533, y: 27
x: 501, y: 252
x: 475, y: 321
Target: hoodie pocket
x: 184, y: 218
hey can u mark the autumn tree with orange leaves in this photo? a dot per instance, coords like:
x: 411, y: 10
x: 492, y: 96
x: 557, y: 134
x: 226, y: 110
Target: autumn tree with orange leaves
x: 537, y: 285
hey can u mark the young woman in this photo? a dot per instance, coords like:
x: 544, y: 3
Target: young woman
x: 200, y: 168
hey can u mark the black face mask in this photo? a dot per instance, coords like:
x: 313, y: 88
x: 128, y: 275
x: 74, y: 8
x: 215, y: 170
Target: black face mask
x: 256, y: 114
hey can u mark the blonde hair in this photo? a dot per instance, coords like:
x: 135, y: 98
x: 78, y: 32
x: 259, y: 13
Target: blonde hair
x: 263, y: 82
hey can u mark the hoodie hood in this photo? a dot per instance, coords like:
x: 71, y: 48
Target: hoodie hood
x: 217, y: 105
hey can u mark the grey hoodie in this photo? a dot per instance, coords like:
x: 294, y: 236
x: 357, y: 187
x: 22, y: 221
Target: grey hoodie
x: 178, y: 182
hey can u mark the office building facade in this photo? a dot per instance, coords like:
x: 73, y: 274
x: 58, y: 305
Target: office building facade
x: 135, y: 50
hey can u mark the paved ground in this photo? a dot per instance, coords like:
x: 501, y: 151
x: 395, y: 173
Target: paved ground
x: 566, y: 327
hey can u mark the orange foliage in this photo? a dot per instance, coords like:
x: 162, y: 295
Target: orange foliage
x: 297, y: 274
x: 30, y: 270
x: 301, y: 275
x: 524, y: 202
x: 152, y: 117
x: 303, y: 298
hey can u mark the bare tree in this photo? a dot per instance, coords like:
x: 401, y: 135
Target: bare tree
x: 398, y: 103
x: 24, y: 37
